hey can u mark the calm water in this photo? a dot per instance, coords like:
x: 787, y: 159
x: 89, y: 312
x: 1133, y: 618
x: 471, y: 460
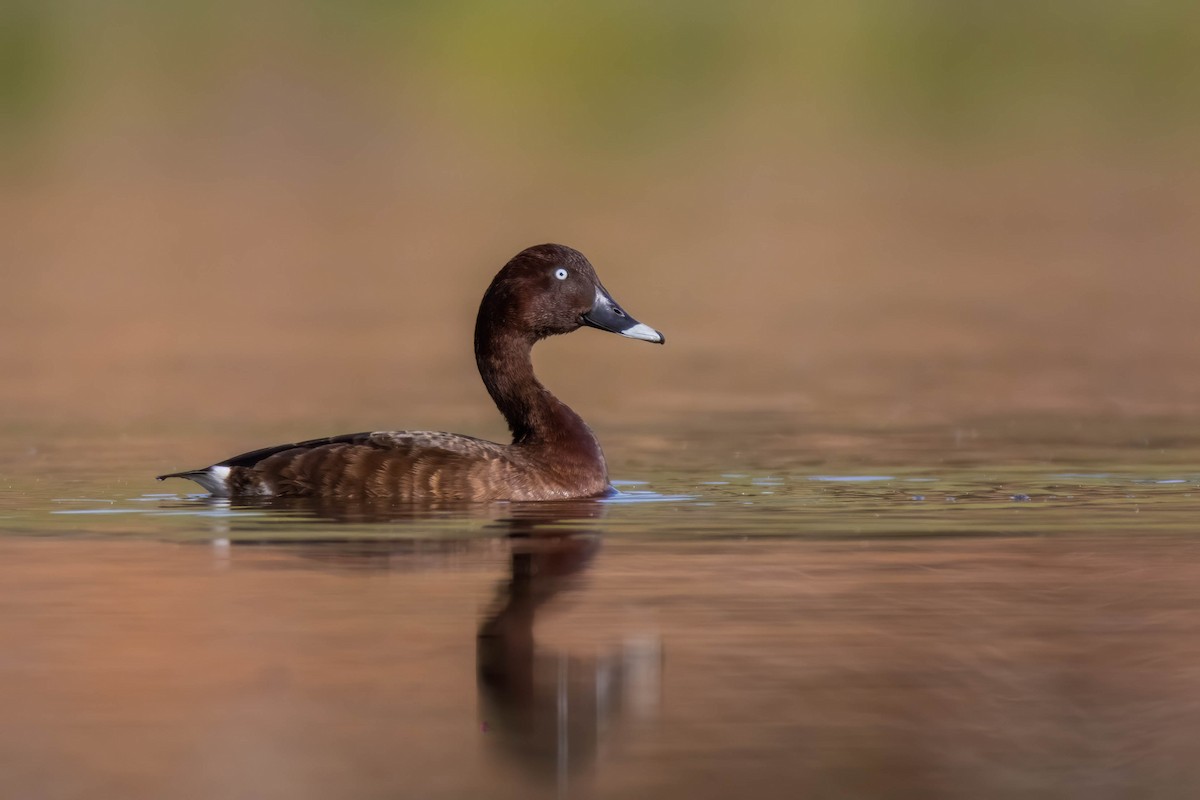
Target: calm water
x: 1005, y: 608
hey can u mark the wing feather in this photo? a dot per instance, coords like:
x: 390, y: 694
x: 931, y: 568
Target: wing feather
x: 406, y: 465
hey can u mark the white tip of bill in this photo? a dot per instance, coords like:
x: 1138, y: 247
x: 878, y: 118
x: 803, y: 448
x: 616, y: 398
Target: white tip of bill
x: 645, y: 333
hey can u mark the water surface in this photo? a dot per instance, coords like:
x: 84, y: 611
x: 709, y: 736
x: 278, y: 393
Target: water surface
x: 984, y: 610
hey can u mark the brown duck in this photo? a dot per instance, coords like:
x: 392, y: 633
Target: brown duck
x: 545, y: 290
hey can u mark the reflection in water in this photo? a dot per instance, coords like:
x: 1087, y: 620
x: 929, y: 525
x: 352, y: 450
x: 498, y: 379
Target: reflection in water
x: 538, y: 705
x: 367, y: 510
x: 1053, y: 666
x: 543, y: 707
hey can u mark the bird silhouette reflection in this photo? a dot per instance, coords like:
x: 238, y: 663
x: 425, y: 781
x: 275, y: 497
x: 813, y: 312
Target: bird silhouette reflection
x: 541, y: 707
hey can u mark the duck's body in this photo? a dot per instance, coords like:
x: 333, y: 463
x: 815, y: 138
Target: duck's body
x: 406, y: 466
x: 543, y: 291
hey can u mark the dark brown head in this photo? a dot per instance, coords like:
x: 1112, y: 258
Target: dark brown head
x: 550, y: 289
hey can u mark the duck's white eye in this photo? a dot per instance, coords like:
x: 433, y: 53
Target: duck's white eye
x: 560, y: 273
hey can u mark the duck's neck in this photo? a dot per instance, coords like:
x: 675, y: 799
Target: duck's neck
x: 535, y: 416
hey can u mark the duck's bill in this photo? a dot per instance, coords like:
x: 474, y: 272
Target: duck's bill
x: 608, y: 316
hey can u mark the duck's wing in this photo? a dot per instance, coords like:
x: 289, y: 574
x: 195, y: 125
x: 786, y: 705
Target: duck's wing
x: 254, y: 457
x: 405, y: 465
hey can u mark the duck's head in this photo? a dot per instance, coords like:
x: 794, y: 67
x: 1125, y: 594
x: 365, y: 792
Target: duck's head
x: 550, y: 289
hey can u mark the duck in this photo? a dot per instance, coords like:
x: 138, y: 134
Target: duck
x: 543, y: 291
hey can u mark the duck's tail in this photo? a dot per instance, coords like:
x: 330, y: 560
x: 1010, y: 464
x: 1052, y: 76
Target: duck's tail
x: 191, y: 474
x: 214, y: 479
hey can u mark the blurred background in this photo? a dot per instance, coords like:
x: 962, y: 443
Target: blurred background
x: 219, y: 214
x: 928, y: 275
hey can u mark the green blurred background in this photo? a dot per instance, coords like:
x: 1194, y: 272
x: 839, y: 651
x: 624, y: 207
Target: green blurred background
x: 285, y: 213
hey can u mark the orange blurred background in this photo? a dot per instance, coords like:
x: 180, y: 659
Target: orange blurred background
x: 286, y: 213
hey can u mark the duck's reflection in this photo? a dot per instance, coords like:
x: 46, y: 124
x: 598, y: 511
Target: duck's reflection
x: 375, y: 510
x: 543, y: 707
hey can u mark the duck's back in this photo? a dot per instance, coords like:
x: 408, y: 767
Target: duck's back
x: 403, y: 465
